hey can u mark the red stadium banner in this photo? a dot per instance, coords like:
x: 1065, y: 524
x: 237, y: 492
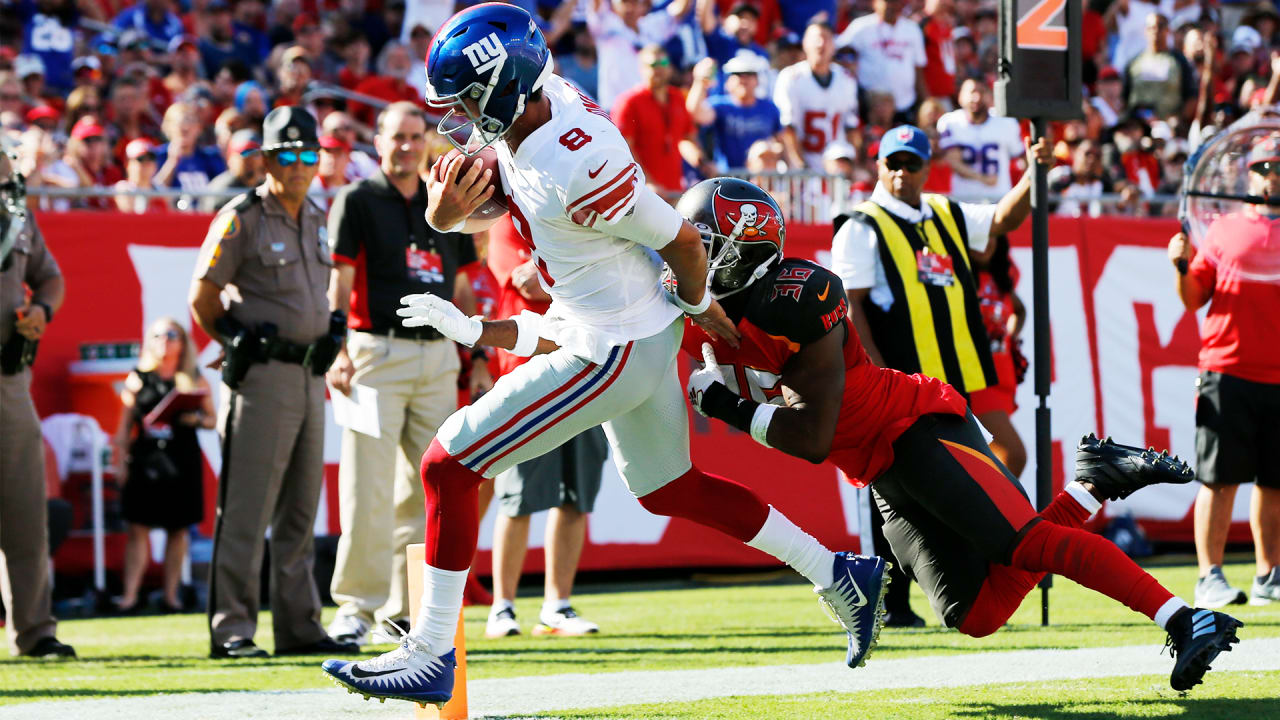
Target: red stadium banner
x: 1124, y: 364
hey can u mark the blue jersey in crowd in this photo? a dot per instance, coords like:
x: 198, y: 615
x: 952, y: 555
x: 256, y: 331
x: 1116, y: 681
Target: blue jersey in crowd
x: 195, y: 170
x: 723, y: 46
x: 796, y: 14
x: 737, y: 126
x: 47, y: 37
x: 136, y: 18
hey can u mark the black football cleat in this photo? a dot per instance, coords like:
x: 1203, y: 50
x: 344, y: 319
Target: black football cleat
x: 236, y: 650
x: 49, y: 647
x: 1119, y: 471
x: 1195, y: 638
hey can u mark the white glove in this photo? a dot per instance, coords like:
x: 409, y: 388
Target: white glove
x: 702, y: 378
x: 431, y: 310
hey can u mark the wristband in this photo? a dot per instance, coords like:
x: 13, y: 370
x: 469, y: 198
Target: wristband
x: 454, y: 229
x: 721, y: 403
x: 760, y: 420
x: 688, y: 309
x: 528, y: 326
x: 48, y: 311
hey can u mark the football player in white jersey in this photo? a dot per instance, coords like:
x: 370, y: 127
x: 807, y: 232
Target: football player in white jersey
x: 817, y: 100
x: 605, y: 351
x: 977, y: 145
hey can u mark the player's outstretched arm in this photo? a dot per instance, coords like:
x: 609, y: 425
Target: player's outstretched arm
x: 520, y: 334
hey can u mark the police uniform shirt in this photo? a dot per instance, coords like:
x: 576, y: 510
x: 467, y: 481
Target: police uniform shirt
x: 386, y: 237
x: 277, y: 266
x: 854, y: 250
x: 30, y: 262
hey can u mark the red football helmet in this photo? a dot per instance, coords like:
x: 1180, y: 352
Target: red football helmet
x: 742, y: 227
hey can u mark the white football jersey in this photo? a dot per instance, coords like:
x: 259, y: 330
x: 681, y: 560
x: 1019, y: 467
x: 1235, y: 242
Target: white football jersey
x: 568, y: 183
x: 819, y: 114
x: 987, y: 148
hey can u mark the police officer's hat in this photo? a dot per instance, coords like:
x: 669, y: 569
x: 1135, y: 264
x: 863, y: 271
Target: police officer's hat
x: 288, y: 128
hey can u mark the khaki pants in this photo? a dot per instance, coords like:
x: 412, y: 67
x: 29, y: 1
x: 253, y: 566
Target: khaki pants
x: 24, y: 535
x: 272, y: 474
x: 380, y: 496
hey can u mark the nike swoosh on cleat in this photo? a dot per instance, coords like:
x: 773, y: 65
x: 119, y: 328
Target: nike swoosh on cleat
x: 592, y: 175
x: 357, y: 672
x: 823, y: 295
x: 861, y: 599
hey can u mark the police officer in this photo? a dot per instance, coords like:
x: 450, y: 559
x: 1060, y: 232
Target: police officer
x: 24, y: 541
x: 268, y: 248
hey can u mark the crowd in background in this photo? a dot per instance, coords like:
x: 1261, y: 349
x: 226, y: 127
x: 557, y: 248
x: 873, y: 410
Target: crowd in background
x: 135, y: 97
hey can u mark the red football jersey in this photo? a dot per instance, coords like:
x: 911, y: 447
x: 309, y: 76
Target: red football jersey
x: 795, y: 304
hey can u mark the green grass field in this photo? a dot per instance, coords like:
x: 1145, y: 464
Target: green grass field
x: 700, y: 627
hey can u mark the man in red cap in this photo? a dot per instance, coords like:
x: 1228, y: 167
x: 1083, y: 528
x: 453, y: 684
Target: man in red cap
x: 139, y: 172
x: 88, y: 155
x: 1237, y: 272
x: 335, y: 155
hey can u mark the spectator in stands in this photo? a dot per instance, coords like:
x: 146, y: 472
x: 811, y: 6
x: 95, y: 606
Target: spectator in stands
x: 184, y: 65
x: 251, y: 103
x: 653, y: 118
x: 183, y: 162
x: 48, y: 32
x: 939, y: 51
x: 419, y: 45
x: 153, y: 18
x: 248, y: 19
x: 580, y: 66
x: 796, y: 15
x: 890, y: 55
x: 335, y: 156
x: 361, y: 165
x: 621, y: 28
x: 1160, y: 78
x: 1238, y: 391
x: 221, y: 42
x: 81, y: 102
x: 309, y: 34
x: 139, y: 171
x: 739, y: 118
x: 1127, y: 21
x: 88, y: 156
x: 86, y: 71
x: 30, y: 71
x: 293, y: 74
x: 11, y: 99
x: 130, y: 114
x: 389, y: 84
x: 1108, y: 98
x: 355, y: 60
x: 1138, y: 160
x: 735, y: 34
x: 817, y: 101
x: 162, y: 463
x: 966, y: 53
x: 1083, y: 181
x: 245, y: 169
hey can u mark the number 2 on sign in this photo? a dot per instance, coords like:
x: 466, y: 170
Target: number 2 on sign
x: 1034, y: 30
x: 575, y: 139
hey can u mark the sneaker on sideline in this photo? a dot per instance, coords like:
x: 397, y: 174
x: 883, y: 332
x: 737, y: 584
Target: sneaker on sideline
x: 502, y: 624
x: 349, y: 629
x: 564, y: 621
x: 1266, y: 591
x: 1213, y: 590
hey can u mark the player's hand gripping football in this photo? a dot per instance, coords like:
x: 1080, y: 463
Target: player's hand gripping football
x: 452, y: 199
x: 434, y: 311
x: 702, y: 378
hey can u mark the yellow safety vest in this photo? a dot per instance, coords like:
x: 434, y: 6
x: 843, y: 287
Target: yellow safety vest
x: 935, y: 329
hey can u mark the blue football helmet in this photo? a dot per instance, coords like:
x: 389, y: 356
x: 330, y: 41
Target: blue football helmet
x: 483, y: 64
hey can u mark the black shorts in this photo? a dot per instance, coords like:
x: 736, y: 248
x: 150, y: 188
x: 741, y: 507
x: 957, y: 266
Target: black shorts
x: 568, y: 475
x: 1237, y: 425
x: 950, y: 510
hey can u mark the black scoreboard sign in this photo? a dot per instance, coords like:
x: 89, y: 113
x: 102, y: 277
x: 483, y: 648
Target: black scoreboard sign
x: 1039, y: 67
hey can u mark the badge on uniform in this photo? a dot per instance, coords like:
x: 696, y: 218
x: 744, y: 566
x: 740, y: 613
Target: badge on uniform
x: 424, y: 266
x: 277, y: 247
x: 935, y: 269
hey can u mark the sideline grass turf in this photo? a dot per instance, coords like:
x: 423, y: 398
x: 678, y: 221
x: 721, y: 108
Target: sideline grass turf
x: 657, y: 630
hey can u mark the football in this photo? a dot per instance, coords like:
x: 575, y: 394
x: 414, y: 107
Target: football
x: 488, y: 159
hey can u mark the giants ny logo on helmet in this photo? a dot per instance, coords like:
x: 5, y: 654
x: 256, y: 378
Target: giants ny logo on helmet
x: 486, y: 54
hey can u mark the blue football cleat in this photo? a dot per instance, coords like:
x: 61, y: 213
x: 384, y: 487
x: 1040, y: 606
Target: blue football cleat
x: 856, y: 600
x: 410, y: 672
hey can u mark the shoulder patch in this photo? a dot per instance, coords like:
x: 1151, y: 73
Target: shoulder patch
x: 228, y: 226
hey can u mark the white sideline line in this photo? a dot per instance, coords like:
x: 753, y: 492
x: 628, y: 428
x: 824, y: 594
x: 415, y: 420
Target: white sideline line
x: 524, y: 695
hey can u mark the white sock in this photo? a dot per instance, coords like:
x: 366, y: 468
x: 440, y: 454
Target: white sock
x: 437, y: 619
x: 500, y: 604
x: 554, y: 606
x: 1084, y: 497
x: 782, y: 539
x: 1167, y: 610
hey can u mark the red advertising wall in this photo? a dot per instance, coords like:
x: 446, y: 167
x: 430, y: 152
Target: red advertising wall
x: 1124, y: 355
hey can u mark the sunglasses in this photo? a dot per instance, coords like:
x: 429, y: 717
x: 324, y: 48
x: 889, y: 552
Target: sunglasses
x: 1266, y: 167
x: 910, y: 163
x: 660, y: 62
x: 289, y: 157
x: 168, y: 335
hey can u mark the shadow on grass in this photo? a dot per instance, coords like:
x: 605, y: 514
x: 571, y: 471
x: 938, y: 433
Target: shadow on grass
x: 1207, y: 709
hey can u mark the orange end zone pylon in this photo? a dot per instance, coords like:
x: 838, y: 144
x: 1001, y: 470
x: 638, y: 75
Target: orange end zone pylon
x: 455, y: 709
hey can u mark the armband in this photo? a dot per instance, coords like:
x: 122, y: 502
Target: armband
x: 698, y: 309
x: 760, y: 420
x: 528, y: 326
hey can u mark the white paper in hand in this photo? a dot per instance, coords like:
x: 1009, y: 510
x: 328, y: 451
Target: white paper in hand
x: 358, y: 411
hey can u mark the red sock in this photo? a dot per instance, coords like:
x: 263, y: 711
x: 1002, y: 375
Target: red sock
x: 452, y: 507
x: 1092, y: 561
x: 1005, y: 587
x: 727, y: 506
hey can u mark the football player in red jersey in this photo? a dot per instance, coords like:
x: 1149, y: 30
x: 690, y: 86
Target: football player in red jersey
x: 800, y: 382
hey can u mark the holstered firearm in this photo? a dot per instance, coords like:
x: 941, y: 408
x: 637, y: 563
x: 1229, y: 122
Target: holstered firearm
x: 241, y: 348
x: 325, y: 349
x: 17, y: 354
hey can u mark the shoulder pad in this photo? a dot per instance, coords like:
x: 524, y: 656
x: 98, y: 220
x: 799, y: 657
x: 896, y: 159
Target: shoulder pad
x: 799, y: 300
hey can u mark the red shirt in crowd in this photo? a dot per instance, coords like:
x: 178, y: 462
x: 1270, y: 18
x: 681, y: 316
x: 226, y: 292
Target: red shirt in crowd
x: 940, y: 65
x: 654, y: 129
x: 1240, y: 259
x: 507, y: 251
x: 385, y: 88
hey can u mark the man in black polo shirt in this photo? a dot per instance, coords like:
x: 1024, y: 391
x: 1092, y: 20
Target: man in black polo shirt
x: 383, y: 249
